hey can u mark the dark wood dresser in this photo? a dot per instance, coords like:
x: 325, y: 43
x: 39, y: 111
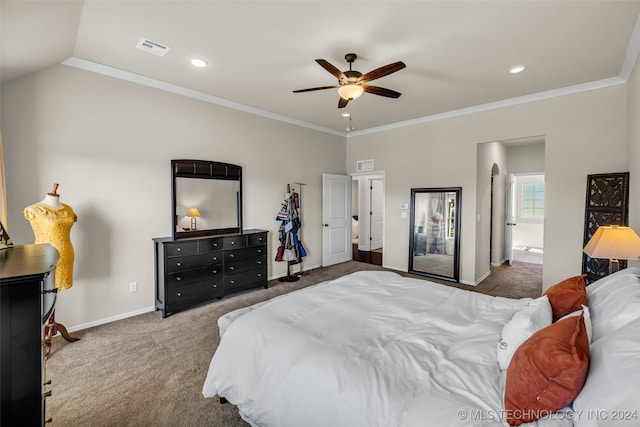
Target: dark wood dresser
x: 195, y: 270
x: 27, y: 299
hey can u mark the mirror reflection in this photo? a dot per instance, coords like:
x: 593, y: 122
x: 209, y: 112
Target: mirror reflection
x: 434, y: 240
x: 205, y: 204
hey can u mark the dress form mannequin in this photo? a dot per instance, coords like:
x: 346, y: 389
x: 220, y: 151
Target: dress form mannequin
x: 52, y: 200
x: 51, y: 222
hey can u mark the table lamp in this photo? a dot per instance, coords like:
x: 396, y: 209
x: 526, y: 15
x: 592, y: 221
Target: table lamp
x: 614, y: 242
x: 193, y: 213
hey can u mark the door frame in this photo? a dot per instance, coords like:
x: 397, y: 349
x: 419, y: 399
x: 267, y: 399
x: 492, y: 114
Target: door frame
x: 364, y: 205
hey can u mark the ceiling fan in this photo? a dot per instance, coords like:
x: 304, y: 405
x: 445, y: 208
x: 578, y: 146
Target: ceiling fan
x: 351, y: 84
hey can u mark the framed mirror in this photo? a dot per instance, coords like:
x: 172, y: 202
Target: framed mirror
x: 206, y: 198
x: 434, y: 236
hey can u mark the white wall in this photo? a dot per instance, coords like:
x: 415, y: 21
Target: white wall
x: 528, y: 158
x: 109, y: 144
x: 584, y: 134
x: 490, y: 154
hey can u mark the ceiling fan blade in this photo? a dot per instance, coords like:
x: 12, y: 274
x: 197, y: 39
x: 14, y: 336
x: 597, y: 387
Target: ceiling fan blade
x: 315, y: 88
x: 381, y: 91
x: 333, y: 70
x: 342, y: 102
x: 382, y: 71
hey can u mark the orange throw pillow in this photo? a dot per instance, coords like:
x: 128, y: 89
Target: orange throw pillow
x: 567, y: 296
x: 547, y: 371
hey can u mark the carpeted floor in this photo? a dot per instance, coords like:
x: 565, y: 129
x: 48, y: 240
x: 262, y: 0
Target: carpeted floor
x: 146, y: 370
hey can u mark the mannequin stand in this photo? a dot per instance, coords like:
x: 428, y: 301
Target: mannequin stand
x: 289, y: 277
x: 52, y: 329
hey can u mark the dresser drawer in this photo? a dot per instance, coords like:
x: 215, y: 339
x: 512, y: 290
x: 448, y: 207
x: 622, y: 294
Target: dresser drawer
x: 244, y: 253
x: 184, y: 278
x: 210, y: 245
x: 181, y: 248
x: 184, y: 263
x: 195, y: 291
x: 252, y: 263
x: 257, y: 239
x: 232, y: 242
x: 242, y: 280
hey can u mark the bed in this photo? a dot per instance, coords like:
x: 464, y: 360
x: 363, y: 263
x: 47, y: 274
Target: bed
x: 378, y: 349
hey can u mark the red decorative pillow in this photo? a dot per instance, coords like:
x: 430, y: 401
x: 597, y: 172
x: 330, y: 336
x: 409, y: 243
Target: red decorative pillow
x: 547, y: 371
x: 567, y: 296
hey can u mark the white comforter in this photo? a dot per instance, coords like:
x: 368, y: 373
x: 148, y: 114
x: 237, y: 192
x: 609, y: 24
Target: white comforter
x: 368, y: 349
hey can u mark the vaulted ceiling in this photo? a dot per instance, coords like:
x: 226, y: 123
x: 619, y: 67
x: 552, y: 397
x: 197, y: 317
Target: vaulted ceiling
x: 457, y: 53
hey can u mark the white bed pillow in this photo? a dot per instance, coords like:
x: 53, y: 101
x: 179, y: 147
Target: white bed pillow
x: 606, y: 298
x: 587, y: 320
x: 611, y: 388
x: 524, y: 323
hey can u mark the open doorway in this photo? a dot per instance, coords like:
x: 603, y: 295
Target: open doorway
x: 367, y: 222
x: 527, y: 232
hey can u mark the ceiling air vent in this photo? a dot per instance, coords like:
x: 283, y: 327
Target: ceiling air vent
x: 365, y: 165
x: 150, y: 46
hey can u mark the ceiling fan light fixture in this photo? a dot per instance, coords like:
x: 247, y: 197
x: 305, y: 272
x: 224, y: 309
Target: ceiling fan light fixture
x: 350, y: 91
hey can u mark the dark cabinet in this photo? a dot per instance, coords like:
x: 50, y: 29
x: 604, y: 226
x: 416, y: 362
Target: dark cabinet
x: 192, y: 271
x: 27, y: 299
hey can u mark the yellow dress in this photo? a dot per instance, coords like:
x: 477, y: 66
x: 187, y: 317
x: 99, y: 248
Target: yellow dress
x: 53, y: 226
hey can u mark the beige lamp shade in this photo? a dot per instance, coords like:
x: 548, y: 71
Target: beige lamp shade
x: 613, y: 242
x: 193, y: 213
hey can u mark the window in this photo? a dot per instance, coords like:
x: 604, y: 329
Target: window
x: 533, y: 199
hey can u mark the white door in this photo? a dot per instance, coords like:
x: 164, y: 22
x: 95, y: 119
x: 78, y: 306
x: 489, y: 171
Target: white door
x: 511, y: 218
x: 376, y: 219
x: 336, y: 219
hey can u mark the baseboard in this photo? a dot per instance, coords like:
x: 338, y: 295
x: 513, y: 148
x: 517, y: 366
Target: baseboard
x: 477, y: 282
x: 393, y: 267
x: 148, y: 309
x: 296, y: 271
x: 110, y: 319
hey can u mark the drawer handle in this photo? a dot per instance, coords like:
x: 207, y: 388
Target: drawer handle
x: 178, y: 278
x: 179, y: 249
x: 215, y: 286
x: 232, y: 281
x: 178, y: 264
x: 215, y: 258
x: 259, y: 251
x: 214, y: 271
x: 231, y: 255
x: 233, y: 243
x: 260, y: 239
x: 259, y: 262
x: 179, y: 294
x: 231, y: 268
x: 259, y: 274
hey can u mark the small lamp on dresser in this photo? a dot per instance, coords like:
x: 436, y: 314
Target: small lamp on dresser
x: 614, y: 242
x: 193, y: 213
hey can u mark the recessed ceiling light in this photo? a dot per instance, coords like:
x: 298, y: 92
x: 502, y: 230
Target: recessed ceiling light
x: 346, y: 114
x: 200, y: 63
x: 517, y: 69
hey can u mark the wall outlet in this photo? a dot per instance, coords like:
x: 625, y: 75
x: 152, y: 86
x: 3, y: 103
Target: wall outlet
x: 133, y: 286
